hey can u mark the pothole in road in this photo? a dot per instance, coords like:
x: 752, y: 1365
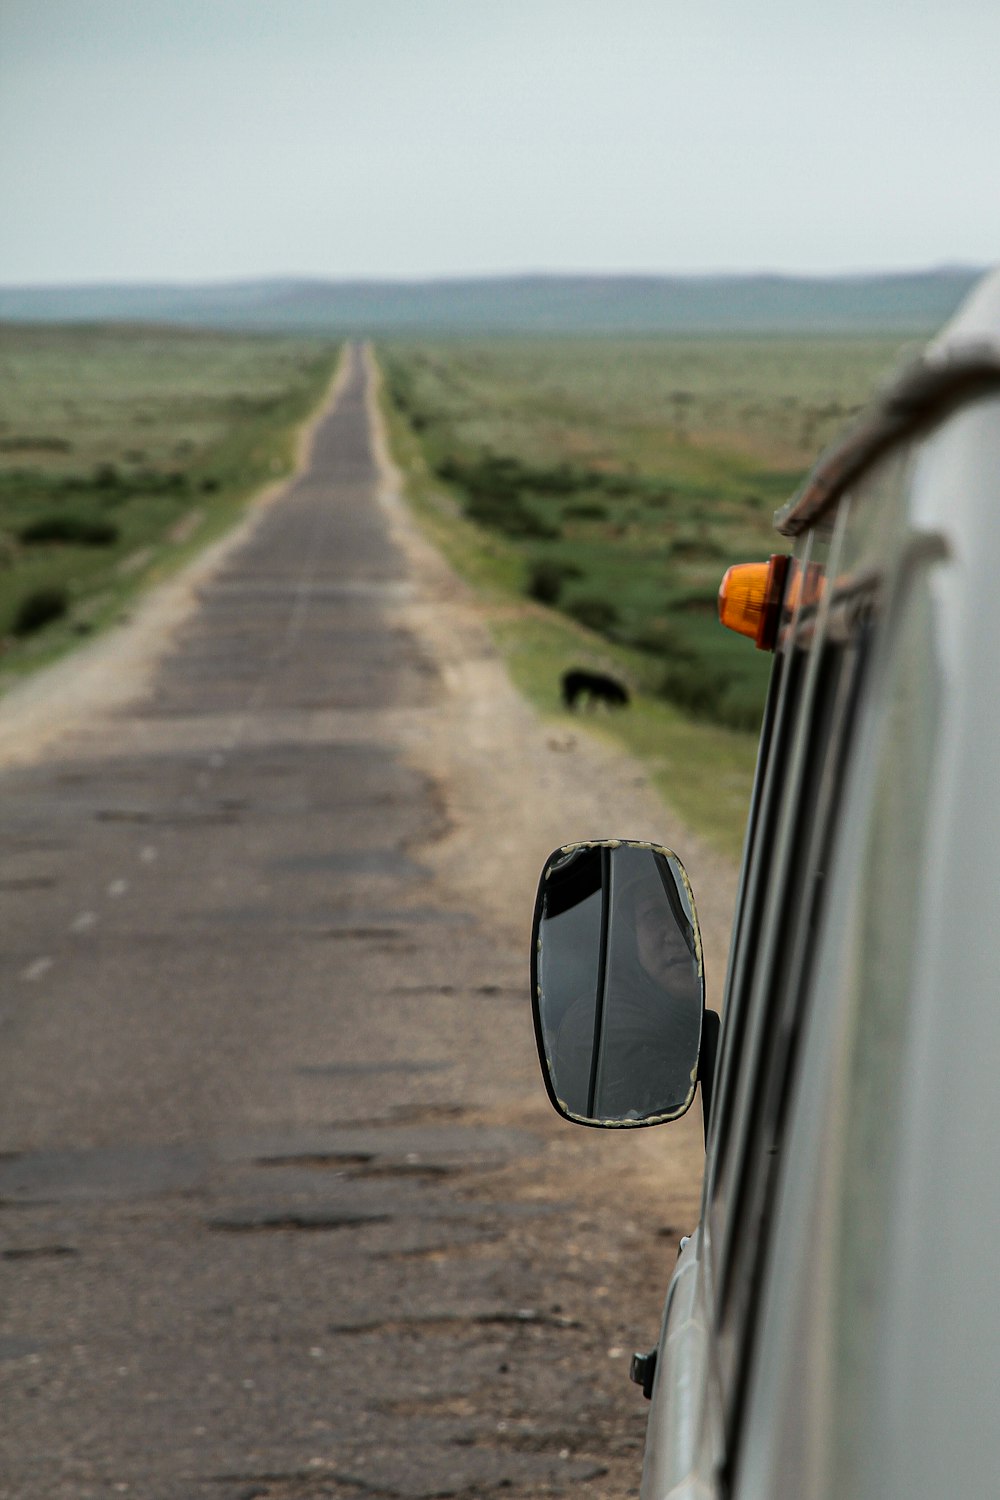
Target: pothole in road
x: 416, y: 1114
x: 428, y: 1114
x: 38, y: 1252
x: 485, y: 991
x: 224, y: 815
x: 428, y: 1170
x: 256, y: 1221
x: 382, y: 939
x: 520, y: 1436
x: 334, y: 1159
x: 444, y: 1325
x: 483, y: 1246
x: 366, y: 1166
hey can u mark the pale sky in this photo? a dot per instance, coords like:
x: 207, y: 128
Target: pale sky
x: 147, y: 140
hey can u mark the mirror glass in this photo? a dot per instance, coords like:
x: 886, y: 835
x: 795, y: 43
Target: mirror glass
x: 617, y: 983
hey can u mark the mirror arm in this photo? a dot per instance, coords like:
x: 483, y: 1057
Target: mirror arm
x: 707, y: 1058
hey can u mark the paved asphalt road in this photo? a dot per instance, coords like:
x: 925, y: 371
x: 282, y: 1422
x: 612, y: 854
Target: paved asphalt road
x: 255, y: 1240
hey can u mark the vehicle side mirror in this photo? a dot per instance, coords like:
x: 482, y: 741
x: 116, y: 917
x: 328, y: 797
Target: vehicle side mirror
x: 617, y: 983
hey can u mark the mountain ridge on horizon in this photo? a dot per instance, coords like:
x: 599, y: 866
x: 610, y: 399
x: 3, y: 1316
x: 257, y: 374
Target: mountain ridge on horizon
x: 530, y: 302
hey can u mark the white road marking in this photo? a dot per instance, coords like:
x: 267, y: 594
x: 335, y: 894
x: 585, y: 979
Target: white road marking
x: 117, y: 888
x: 148, y: 854
x: 83, y: 922
x: 37, y: 969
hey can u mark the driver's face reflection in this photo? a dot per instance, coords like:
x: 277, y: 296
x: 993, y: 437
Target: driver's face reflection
x: 662, y: 950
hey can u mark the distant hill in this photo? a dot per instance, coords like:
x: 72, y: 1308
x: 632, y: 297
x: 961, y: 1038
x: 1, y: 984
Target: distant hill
x: 910, y: 302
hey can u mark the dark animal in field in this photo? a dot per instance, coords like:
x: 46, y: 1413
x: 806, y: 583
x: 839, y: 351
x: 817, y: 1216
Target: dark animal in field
x: 595, y: 687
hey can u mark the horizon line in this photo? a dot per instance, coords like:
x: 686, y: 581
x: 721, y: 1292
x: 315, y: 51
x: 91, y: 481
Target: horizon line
x: 472, y: 277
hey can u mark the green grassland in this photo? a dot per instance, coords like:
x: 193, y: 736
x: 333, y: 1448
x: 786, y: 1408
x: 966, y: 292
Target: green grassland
x: 596, y: 491
x: 122, y: 450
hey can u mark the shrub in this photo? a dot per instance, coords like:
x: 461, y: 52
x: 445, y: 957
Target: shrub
x: 399, y: 385
x: 663, y: 641
x: 21, y: 443
x: 501, y: 473
x: 80, y: 530
x: 150, y: 480
x: 107, y: 477
x: 595, y: 614
x: 695, y: 687
x: 697, y: 548
x: 586, y: 510
x: 741, y: 715
x: 448, y: 468
x: 38, y: 608
x: 560, y: 479
x: 509, y: 514
x: 698, y: 602
x: 546, y: 579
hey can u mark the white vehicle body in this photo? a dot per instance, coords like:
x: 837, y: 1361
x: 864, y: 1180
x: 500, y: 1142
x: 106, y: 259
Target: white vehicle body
x: 832, y: 1330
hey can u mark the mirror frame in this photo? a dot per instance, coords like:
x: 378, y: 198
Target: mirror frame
x: 703, y: 1038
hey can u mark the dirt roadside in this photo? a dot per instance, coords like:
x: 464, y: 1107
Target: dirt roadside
x: 516, y: 787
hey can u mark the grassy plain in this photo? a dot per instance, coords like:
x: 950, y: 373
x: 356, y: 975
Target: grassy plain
x: 596, y: 491
x: 121, y: 451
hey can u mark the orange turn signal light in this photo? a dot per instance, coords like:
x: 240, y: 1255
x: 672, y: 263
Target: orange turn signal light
x: 750, y: 599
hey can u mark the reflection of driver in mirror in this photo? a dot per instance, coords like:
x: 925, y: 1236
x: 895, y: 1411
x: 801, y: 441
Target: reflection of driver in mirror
x: 662, y: 948
x: 627, y: 1051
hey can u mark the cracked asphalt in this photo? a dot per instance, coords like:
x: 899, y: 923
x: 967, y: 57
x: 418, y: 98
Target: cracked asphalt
x: 282, y: 1209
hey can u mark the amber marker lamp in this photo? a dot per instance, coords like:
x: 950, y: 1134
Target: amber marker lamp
x: 750, y: 600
